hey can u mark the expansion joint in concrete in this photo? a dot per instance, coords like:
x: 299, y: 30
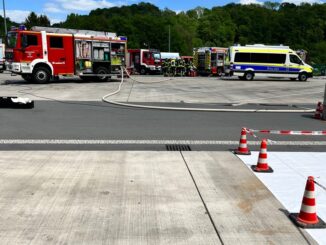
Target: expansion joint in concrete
x: 202, y: 199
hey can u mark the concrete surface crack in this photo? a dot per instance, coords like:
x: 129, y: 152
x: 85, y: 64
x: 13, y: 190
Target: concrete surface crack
x: 132, y: 86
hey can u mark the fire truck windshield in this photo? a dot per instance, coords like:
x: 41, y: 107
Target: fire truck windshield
x: 157, y: 56
x: 12, y: 39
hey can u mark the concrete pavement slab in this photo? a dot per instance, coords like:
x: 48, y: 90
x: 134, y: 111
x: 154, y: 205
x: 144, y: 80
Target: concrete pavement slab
x: 243, y: 210
x: 100, y: 198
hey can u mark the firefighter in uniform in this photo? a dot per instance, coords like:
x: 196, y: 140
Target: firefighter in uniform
x: 173, y: 67
x: 190, y: 68
x: 187, y: 68
x: 180, y: 67
x: 165, y: 68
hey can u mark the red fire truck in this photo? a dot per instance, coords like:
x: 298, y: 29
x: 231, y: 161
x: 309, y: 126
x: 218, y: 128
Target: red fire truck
x: 44, y: 53
x: 144, y: 61
x: 209, y: 60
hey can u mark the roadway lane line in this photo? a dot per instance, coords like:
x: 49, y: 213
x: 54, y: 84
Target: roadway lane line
x: 148, y: 142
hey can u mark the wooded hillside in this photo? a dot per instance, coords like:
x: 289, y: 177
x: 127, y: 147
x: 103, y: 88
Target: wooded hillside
x: 145, y: 25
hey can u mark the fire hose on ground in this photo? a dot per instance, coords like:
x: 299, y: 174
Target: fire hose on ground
x: 105, y: 99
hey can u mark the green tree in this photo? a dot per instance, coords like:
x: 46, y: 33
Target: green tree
x: 216, y: 28
x: 31, y: 20
x: 34, y: 20
x: 145, y: 25
x: 43, y: 20
x: 9, y: 25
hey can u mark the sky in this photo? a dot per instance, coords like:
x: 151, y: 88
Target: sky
x: 57, y: 10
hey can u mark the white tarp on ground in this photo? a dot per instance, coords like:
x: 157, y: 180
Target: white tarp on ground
x: 288, y: 181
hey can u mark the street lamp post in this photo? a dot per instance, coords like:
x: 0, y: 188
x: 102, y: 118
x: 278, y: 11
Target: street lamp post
x: 4, y: 15
x: 169, y: 38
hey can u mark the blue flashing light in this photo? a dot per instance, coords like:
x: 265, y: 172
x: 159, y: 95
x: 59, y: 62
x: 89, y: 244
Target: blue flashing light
x: 22, y: 28
x: 123, y: 38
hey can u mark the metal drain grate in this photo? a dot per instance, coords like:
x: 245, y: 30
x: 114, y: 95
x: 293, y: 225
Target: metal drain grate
x: 178, y: 148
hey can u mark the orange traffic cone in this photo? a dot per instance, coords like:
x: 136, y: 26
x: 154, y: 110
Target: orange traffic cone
x: 307, y: 218
x: 243, y: 148
x: 319, y: 111
x: 262, y: 165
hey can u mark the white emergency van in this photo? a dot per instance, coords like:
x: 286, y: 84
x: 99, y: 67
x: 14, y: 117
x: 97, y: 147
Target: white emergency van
x: 259, y: 60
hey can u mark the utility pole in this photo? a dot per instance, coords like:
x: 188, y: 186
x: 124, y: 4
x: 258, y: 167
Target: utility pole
x: 169, y: 38
x: 4, y: 15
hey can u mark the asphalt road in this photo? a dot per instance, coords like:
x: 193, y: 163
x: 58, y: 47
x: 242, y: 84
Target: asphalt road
x: 152, y: 89
x: 143, y: 129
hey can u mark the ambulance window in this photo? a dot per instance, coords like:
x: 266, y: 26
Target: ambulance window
x: 259, y: 58
x: 56, y: 42
x: 277, y: 58
x: 242, y: 57
x: 295, y: 59
x: 29, y: 40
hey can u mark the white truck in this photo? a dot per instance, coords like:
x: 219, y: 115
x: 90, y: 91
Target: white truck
x: 169, y: 55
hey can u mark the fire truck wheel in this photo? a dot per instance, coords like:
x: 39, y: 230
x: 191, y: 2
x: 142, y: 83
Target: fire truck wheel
x: 27, y: 77
x: 102, y: 74
x: 41, y: 75
x: 143, y: 71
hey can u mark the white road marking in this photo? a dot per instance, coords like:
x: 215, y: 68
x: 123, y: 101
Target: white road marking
x: 148, y: 142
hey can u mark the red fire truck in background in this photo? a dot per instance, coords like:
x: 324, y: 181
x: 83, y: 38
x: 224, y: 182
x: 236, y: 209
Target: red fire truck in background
x: 44, y: 53
x: 209, y: 60
x: 144, y: 61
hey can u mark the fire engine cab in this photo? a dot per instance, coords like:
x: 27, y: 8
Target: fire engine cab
x: 209, y: 60
x: 43, y: 53
x: 144, y: 61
